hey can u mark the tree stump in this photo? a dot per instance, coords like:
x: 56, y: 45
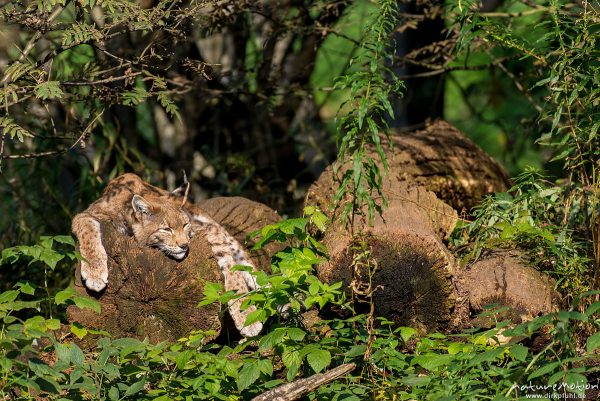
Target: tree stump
x: 502, y: 278
x: 150, y: 295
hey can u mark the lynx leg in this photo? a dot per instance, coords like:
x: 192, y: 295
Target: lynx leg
x: 228, y: 253
x: 233, y: 281
x: 94, y: 269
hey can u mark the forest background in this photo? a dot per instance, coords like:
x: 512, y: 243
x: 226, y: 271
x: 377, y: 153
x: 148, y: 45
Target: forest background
x: 256, y: 98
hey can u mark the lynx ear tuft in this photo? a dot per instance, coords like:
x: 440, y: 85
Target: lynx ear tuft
x: 181, y: 190
x: 140, y: 205
x: 185, y: 195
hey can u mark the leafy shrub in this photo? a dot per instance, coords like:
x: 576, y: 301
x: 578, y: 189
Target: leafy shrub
x: 39, y: 355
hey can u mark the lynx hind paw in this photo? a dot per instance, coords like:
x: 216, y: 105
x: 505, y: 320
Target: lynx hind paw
x: 253, y: 330
x: 239, y: 318
x: 94, y: 279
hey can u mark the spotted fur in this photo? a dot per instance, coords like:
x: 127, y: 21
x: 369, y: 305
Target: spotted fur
x: 156, y: 218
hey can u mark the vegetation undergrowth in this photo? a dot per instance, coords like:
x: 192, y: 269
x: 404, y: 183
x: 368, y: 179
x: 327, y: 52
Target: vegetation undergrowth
x: 40, y: 355
x: 552, y: 222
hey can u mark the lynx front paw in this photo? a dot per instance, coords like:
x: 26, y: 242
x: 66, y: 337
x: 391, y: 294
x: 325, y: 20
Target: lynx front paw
x: 95, y: 278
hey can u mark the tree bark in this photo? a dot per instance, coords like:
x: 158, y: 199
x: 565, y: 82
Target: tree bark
x: 150, y: 295
x: 441, y: 159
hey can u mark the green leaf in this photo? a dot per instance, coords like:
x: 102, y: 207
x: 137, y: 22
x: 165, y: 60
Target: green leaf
x: 113, y: 394
x: 50, y: 257
x: 319, y: 360
x: 63, y: 353
x: 62, y: 296
x: 519, y: 352
x: 487, y: 356
x: 26, y: 287
x: 549, y: 368
x: 78, y: 330
x: 13, y: 129
x: 406, y: 333
x: 291, y: 360
x: 455, y: 348
x: 135, y: 388
x: 576, y: 383
x: 248, y: 375
x: 258, y: 315
x: 64, y: 239
x: 134, y: 97
x: 266, y: 367
x: 593, y: 342
x: 433, y: 361
x: 6, y: 364
x: 296, y: 333
x: 86, y: 303
x: 53, y: 324
x: 127, y: 342
x: 271, y: 339
x: 593, y: 308
x: 8, y: 296
x: 77, y: 356
x: 48, y: 90
x: 357, y: 350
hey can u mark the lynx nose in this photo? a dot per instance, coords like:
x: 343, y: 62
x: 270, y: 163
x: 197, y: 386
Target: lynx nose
x: 184, y: 247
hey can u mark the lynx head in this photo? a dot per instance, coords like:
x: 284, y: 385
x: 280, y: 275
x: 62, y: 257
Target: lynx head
x: 161, y: 224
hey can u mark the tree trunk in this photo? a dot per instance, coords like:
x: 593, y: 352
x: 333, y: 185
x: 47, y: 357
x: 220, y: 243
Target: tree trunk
x: 150, y: 295
x: 441, y: 159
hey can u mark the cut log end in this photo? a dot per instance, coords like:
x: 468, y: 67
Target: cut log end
x: 412, y: 282
x: 503, y: 279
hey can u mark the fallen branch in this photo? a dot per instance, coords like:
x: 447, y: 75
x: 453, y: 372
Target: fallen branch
x: 298, y: 388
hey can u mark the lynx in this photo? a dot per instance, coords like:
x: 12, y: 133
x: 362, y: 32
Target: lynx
x: 157, y: 218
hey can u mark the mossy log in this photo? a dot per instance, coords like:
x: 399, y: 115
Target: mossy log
x: 503, y: 279
x: 150, y: 295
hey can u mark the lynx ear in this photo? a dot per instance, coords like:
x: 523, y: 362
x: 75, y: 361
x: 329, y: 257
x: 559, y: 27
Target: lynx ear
x: 140, y: 205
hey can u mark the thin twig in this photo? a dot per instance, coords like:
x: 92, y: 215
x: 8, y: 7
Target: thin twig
x: 520, y: 87
x: 33, y: 41
x: 85, y: 131
x: 1, y: 149
x: 34, y: 155
x: 522, y: 13
x: 101, y: 81
x: 445, y: 70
